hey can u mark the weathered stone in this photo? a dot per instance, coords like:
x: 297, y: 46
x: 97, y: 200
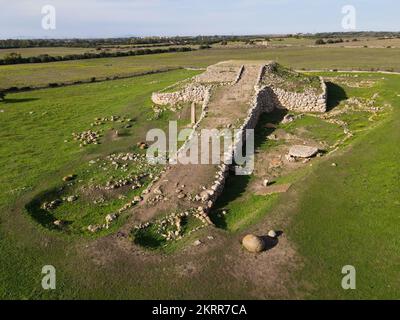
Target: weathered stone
x: 72, y: 198
x: 288, y: 118
x: 69, y: 177
x: 272, y: 234
x: 204, y: 195
x: 197, y: 243
x: 110, y: 218
x: 58, y: 223
x: 253, y: 243
x: 93, y: 228
x: 300, y: 151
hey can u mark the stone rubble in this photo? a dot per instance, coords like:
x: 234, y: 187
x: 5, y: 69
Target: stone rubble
x: 87, y: 137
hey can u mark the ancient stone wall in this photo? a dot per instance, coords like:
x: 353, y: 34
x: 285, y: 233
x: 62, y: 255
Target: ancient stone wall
x: 308, y: 101
x: 301, y: 102
x: 262, y: 102
x: 239, y: 75
x: 265, y: 99
x: 191, y: 93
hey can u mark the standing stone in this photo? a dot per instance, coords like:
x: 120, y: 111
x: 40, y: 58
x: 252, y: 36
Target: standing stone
x: 193, y: 113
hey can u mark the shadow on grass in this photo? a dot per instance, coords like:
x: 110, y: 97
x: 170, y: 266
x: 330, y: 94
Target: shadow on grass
x: 12, y: 101
x: 336, y: 94
x: 148, y: 238
x: 271, y: 242
x: 235, y: 185
x: 41, y: 216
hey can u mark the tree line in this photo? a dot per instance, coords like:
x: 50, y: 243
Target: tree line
x: 16, y: 58
x: 178, y: 40
x: 94, y: 43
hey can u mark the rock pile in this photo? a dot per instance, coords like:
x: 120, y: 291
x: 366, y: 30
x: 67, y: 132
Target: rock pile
x: 87, y: 137
x: 191, y: 93
x: 135, y: 181
x: 51, y: 205
x: 311, y: 100
x: 101, y: 121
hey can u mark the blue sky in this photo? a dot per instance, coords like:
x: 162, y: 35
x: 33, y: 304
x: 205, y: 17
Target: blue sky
x: 111, y: 18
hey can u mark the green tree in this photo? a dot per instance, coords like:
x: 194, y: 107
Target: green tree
x: 12, y: 57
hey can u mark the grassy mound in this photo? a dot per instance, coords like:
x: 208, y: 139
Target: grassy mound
x: 287, y: 79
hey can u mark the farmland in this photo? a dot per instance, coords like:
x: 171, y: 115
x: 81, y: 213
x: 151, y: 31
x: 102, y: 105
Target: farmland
x: 296, y: 57
x: 58, y: 51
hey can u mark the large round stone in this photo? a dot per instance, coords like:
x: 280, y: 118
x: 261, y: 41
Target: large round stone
x: 253, y: 243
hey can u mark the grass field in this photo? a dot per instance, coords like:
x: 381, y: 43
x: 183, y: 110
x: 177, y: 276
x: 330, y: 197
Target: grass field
x: 52, y: 51
x: 358, y: 226
x: 34, y: 157
x: 296, y: 57
x: 342, y: 215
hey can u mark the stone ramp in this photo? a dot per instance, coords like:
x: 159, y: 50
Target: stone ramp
x: 175, y: 190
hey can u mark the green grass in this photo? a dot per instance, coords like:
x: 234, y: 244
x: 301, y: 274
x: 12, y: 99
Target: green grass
x: 241, y: 206
x: 315, y: 128
x: 150, y: 237
x: 35, y: 124
x: 295, y: 57
x: 34, y: 158
x: 349, y: 215
x: 241, y: 211
x: 291, y: 80
x: 344, y: 215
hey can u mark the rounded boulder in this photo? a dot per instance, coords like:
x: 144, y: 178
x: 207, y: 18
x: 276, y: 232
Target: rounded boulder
x: 253, y: 243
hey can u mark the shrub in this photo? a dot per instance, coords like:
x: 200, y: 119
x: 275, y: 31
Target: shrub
x: 204, y: 46
x: 320, y: 42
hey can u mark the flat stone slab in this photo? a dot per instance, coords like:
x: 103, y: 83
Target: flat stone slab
x: 300, y: 151
x: 280, y: 188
